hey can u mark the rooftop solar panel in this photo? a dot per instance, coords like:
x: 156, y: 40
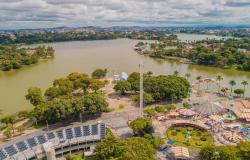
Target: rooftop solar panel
x: 11, y: 150
x: 31, y: 142
x: 103, y: 130
x: 69, y: 133
x: 78, y: 132
x: 2, y: 155
x: 86, y: 131
x: 41, y: 139
x: 21, y: 146
x: 51, y: 135
x: 94, y: 129
x: 60, y: 134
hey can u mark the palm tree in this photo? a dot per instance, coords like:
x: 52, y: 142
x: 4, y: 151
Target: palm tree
x: 219, y: 78
x: 176, y: 73
x: 232, y: 83
x: 208, y: 81
x: 199, y: 78
x: 244, y: 83
x: 224, y: 91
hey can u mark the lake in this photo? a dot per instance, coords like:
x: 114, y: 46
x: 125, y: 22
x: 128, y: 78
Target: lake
x: 85, y: 56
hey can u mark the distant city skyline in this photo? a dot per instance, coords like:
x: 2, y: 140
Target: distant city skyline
x: 25, y: 14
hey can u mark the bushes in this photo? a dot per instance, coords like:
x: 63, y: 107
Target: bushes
x: 121, y: 106
x: 203, y: 138
x: 160, y: 109
x: 174, y: 133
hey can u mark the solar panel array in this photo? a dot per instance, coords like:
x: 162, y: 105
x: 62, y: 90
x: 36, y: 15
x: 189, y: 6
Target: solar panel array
x: 86, y: 131
x: 94, y: 129
x: 11, y: 150
x: 32, y: 142
x: 69, y: 133
x: 21, y: 146
x: 2, y: 155
x: 51, y: 135
x: 78, y: 131
x: 103, y: 131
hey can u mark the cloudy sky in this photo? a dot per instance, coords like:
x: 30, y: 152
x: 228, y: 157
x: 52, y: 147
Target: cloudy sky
x: 53, y: 13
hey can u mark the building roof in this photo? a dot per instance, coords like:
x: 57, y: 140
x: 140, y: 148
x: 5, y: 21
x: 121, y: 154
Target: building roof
x: 180, y: 152
x: 209, y: 108
x: 187, y: 112
x: 242, y: 109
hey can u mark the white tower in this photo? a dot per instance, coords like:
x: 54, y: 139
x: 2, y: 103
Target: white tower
x: 141, y: 88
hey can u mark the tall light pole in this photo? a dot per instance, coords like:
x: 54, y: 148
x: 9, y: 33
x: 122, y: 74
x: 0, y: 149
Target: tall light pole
x: 141, y: 88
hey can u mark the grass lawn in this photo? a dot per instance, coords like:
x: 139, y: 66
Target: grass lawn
x: 198, y: 138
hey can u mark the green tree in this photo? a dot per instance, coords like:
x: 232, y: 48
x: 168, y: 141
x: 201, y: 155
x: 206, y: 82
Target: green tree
x: 110, y: 148
x: 218, y: 153
x: 239, y: 92
x: 243, y: 150
x: 20, y: 129
x: 9, y: 120
x: 7, y: 133
x: 244, y: 83
x: 94, y: 103
x: 176, y: 73
x: 141, y: 126
x: 34, y: 95
x: 99, y: 73
x: 232, y: 83
x: 96, y: 84
x: 219, y: 78
x: 134, y: 80
x: 147, y: 98
x: 137, y: 148
x: 123, y: 87
x: 74, y: 157
x: 157, y: 142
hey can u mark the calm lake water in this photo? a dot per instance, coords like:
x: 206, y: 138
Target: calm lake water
x: 85, y: 56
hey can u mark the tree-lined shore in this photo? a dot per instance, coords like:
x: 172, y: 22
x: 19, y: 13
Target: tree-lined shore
x: 15, y: 57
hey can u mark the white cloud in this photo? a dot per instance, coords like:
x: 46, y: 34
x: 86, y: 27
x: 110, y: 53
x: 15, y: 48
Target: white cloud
x: 51, y: 13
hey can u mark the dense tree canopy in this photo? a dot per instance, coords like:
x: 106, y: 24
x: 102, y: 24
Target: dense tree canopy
x: 35, y: 96
x: 135, y: 148
x: 67, y: 98
x: 157, y: 88
x: 228, y: 53
x: 14, y: 57
x: 228, y: 152
x: 141, y: 126
x: 123, y: 87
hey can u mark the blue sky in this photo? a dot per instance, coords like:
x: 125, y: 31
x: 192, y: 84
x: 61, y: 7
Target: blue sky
x: 16, y: 14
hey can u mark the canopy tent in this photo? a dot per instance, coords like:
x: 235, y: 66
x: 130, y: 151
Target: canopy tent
x: 244, y: 129
x: 173, y: 114
x: 187, y: 112
x: 171, y: 142
x: 248, y: 136
x: 216, y: 118
x: 209, y: 108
